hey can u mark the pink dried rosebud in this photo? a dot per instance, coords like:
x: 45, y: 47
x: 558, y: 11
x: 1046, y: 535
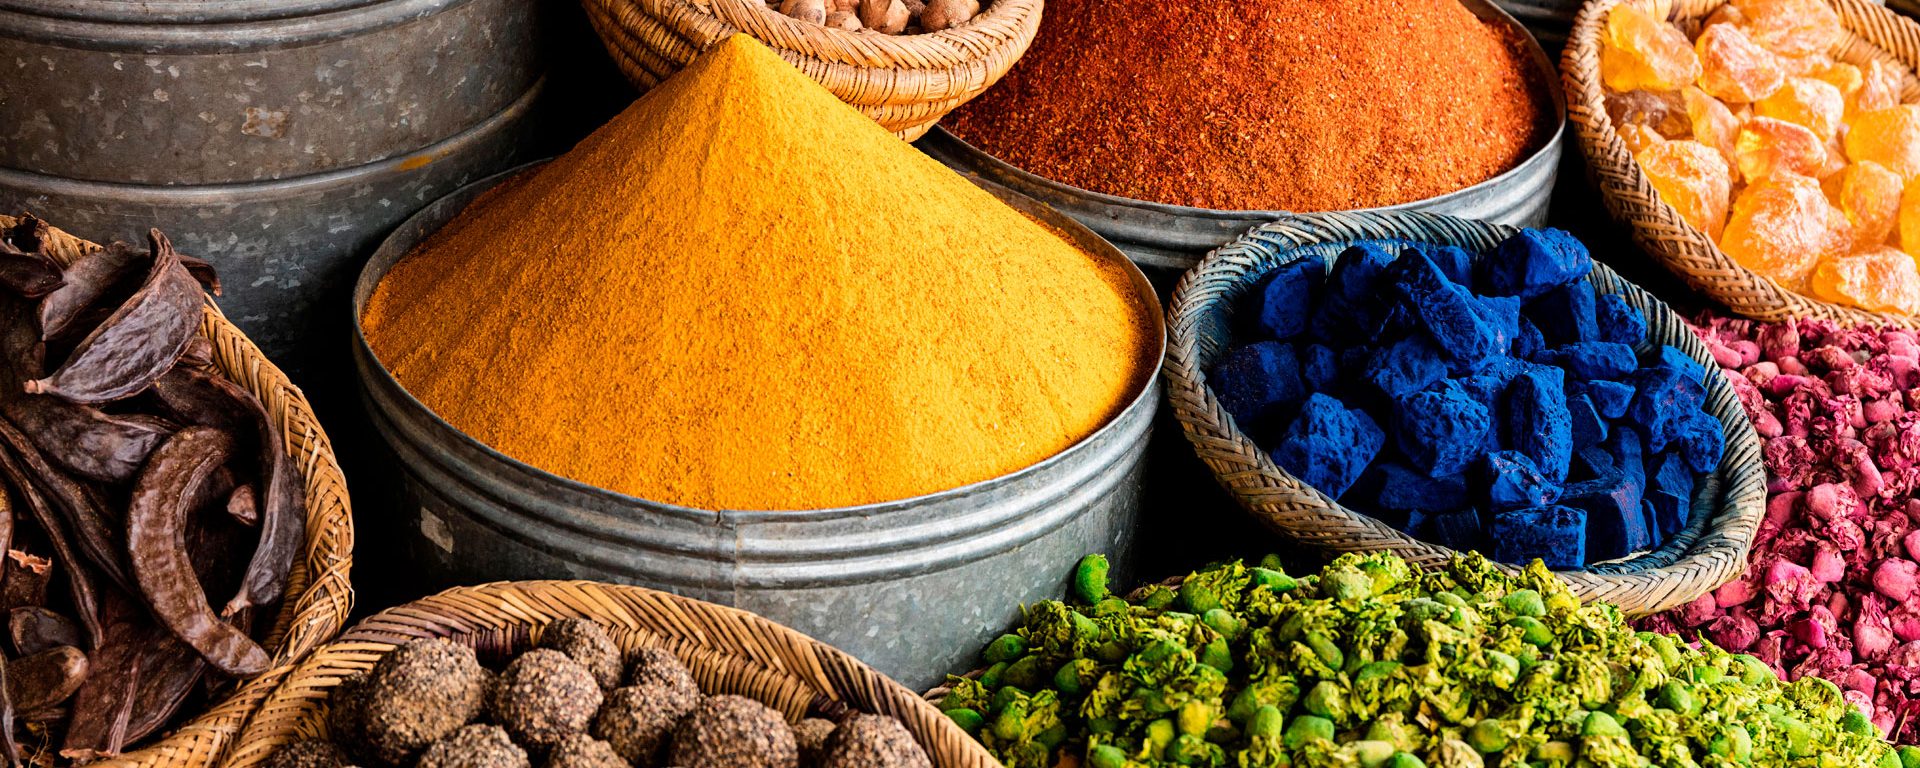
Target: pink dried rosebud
x: 1828, y: 566
x: 1883, y: 409
x: 1760, y: 372
x: 1894, y: 578
x: 1872, y: 631
x: 1785, y: 384
x: 1912, y: 541
x: 1772, y: 650
x: 1732, y: 593
x: 1734, y: 632
x: 1778, y: 341
x: 1791, y: 366
x: 1749, y: 352
x: 1698, y: 612
x: 1724, y: 357
x: 1829, y: 357
x: 1906, y: 624
x: 1809, y: 633
x: 1791, y: 584
x: 1832, y: 501
x: 1857, y: 679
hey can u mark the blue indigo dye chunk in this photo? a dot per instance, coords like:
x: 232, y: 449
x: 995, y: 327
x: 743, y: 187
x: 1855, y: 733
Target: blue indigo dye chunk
x: 1455, y: 529
x: 1409, y: 365
x: 1555, y: 534
x: 1702, y: 443
x: 1565, y: 315
x: 1513, y: 482
x: 1537, y: 423
x: 1328, y: 445
x: 1503, y: 314
x: 1287, y: 297
x: 1618, y: 526
x: 1350, y: 305
x: 1684, y: 363
x: 1529, y: 343
x: 1319, y: 367
x: 1619, y: 323
x: 1404, y: 488
x: 1609, y: 397
x: 1445, y: 309
x: 1670, y: 512
x: 1589, y: 360
x: 1674, y: 476
x: 1441, y: 430
x: 1588, y: 427
x: 1664, y: 399
x: 1254, y: 379
x: 1534, y: 262
x: 1453, y: 261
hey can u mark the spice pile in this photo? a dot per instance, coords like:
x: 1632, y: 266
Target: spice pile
x: 1830, y: 589
x: 1493, y: 404
x: 1797, y: 165
x: 574, y: 701
x: 1328, y: 105
x: 738, y: 307
x: 139, y: 480
x: 1372, y: 663
x: 891, y: 17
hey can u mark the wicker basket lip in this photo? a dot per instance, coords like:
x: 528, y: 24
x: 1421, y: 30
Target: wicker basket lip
x: 1599, y: 140
x: 907, y: 47
x: 1184, y: 346
x: 1147, y: 389
x: 1548, y: 153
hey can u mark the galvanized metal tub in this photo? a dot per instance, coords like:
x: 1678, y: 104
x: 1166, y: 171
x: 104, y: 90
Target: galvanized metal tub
x: 1167, y: 240
x: 913, y: 588
x: 279, y: 139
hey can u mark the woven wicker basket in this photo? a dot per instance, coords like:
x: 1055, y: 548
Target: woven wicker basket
x: 906, y: 83
x: 320, y: 596
x: 1727, y: 506
x: 728, y: 650
x: 1873, y: 33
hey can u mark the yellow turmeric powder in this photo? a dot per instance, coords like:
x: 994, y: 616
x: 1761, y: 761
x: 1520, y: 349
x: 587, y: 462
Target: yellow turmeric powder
x: 743, y: 294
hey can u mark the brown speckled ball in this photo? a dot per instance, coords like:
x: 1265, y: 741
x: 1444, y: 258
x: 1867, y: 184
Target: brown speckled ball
x: 733, y: 732
x: 659, y: 666
x: 418, y: 694
x: 637, y: 719
x: 307, y: 753
x: 810, y: 735
x: 579, y: 750
x: 347, y: 713
x: 588, y: 643
x: 544, y: 696
x: 873, y: 741
x: 475, y: 746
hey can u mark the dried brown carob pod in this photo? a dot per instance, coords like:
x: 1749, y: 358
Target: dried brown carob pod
x: 80, y: 505
x: 46, y: 679
x: 86, y: 600
x: 137, y: 343
x: 84, y: 440
x: 90, y: 278
x: 36, y: 628
x: 26, y: 578
x: 25, y: 268
x: 157, y: 519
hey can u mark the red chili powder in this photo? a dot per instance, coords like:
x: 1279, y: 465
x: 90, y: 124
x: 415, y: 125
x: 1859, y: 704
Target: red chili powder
x: 1300, y: 105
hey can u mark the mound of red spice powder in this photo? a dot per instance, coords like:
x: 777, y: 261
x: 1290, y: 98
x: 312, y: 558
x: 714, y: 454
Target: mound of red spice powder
x: 1265, y: 105
x: 1830, y: 588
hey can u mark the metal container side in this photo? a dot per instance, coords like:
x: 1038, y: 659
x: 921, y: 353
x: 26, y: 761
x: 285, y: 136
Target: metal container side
x: 287, y: 250
x: 1167, y: 240
x: 139, y: 93
x: 912, y: 587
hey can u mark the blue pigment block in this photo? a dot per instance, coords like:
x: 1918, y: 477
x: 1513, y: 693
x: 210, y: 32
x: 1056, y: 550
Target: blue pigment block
x: 1591, y: 462
x: 1513, y: 482
x: 1319, y: 367
x: 1616, y: 524
x: 1351, y: 302
x: 1565, y: 315
x: 1673, y: 475
x: 1555, y: 534
x: 1619, y: 323
x: 1441, y: 430
x: 1457, y: 529
x: 1589, y: 360
x: 1287, y: 297
x: 1388, y: 325
x: 1533, y: 262
x: 1683, y: 362
x: 1588, y: 427
x: 1453, y: 261
x: 1628, y: 450
x: 1537, y: 423
x: 1404, y: 488
x: 1503, y: 313
x: 1609, y: 397
x: 1702, y: 443
x: 1670, y: 512
x: 1256, y: 378
x: 1529, y: 343
x: 1446, y: 310
x: 1411, y: 364
x: 1328, y: 445
x: 1415, y: 524
x: 1663, y: 400
x: 1353, y: 360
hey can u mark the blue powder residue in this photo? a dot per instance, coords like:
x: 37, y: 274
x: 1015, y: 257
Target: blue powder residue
x: 1497, y: 405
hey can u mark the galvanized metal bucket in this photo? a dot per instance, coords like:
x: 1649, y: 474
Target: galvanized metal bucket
x: 279, y: 139
x: 1167, y: 240
x: 913, y: 588
x: 1548, y: 20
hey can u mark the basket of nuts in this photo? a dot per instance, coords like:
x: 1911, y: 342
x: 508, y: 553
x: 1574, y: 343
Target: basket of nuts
x: 584, y: 675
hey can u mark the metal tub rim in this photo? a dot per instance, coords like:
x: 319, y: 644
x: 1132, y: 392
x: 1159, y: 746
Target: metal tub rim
x: 187, y: 27
x: 399, y: 413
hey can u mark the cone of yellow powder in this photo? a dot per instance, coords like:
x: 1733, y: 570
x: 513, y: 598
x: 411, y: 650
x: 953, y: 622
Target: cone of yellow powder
x: 743, y: 294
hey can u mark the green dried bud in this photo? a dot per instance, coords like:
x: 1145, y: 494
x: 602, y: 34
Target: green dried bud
x: 1107, y: 756
x: 1076, y: 677
x: 1188, y: 749
x: 1160, y: 735
x: 1005, y: 696
x: 1265, y: 723
x: 1111, y: 607
x: 1909, y: 757
x: 1706, y: 675
x: 1525, y: 602
x: 1158, y: 597
x: 992, y: 677
x: 1678, y: 696
x: 1733, y: 743
x: 1554, y: 752
x: 1346, y: 584
x: 1502, y: 670
x: 1224, y: 622
x: 1052, y: 737
x: 1324, y: 647
x: 1102, y: 725
x: 1271, y: 561
x: 1798, y: 736
x: 1454, y: 753
x: 1669, y: 651
x: 1195, y: 718
x: 1753, y: 671
x: 1307, y: 729
x: 1857, y: 724
x: 1111, y: 652
x: 1005, y: 648
x: 1393, y: 728
x: 1327, y: 699
x: 968, y: 719
x: 1028, y: 673
x: 1011, y: 721
x: 1198, y: 597
x: 1888, y: 759
x: 1217, y: 655
x: 1488, y: 736
x: 1532, y: 631
x: 1601, y: 724
x: 1090, y: 579
x: 1274, y: 579
x: 1371, y: 754
x: 1405, y: 760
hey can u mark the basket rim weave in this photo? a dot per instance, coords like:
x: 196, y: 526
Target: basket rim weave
x: 1873, y: 31
x: 738, y: 645
x: 319, y: 592
x: 1711, y: 551
x: 925, y: 51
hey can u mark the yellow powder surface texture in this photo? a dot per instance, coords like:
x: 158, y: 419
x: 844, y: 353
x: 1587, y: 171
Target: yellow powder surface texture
x: 743, y: 294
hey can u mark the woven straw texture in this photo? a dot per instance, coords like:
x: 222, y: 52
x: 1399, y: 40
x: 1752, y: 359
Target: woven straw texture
x: 321, y: 595
x: 1873, y: 33
x: 728, y: 650
x: 1727, y: 506
x: 906, y: 83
